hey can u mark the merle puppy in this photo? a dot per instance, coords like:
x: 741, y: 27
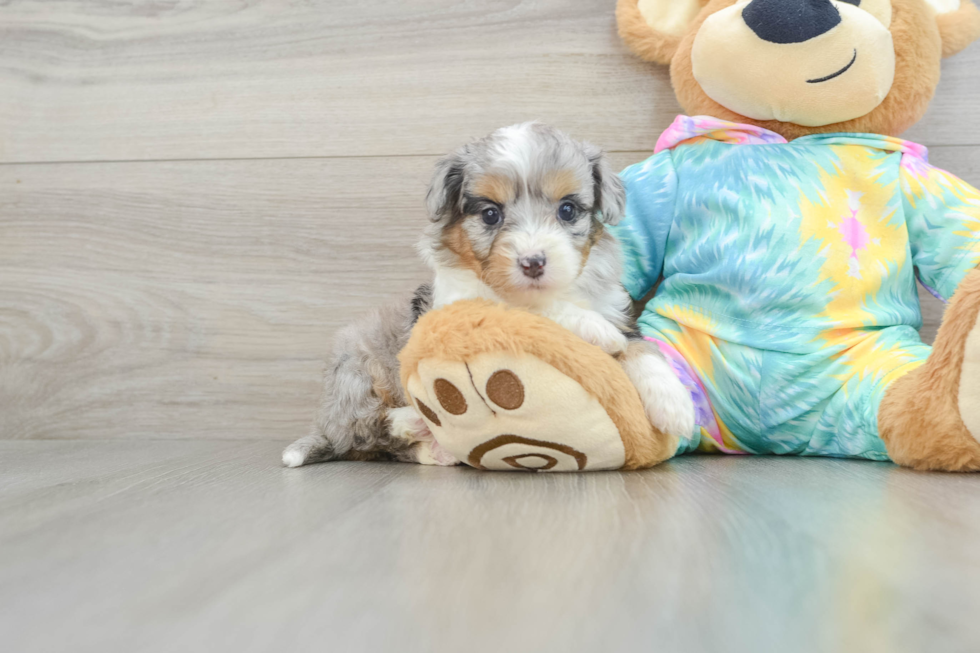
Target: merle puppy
x: 517, y: 217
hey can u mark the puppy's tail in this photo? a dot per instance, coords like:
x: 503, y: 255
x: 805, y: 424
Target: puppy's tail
x: 317, y: 449
x: 313, y: 448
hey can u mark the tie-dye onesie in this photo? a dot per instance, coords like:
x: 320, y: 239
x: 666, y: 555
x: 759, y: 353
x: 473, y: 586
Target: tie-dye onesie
x: 788, y: 301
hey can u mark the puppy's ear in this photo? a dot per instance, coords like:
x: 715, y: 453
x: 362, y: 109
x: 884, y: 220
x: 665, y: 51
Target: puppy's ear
x: 653, y: 29
x: 959, y: 23
x: 444, y: 199
x: 610, y: 195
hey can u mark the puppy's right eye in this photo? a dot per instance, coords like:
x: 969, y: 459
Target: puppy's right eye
x: 566, y: 212
x: 491, y: 216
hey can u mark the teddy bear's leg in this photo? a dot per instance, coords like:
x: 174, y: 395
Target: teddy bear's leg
x: 930, y: 418
x: 505, y: 389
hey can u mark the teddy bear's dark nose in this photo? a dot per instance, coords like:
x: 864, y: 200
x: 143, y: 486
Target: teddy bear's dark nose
x: 790, y: 21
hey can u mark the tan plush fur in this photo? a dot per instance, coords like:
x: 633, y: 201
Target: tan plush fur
x: 919, y: 418
x: 643, y: 41
x: 464, y: 330
x: 918, y: 50
x: 919, y: 46
x: 959, y: 28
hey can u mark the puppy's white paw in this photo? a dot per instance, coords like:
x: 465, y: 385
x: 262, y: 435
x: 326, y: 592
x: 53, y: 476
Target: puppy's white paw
x: 407, y: 424
x: 430, y: 453
x: 667, y: 402
x: 595, y: 329
x: 590, y: 326
x: 671, y: 410
x: 605, y: 336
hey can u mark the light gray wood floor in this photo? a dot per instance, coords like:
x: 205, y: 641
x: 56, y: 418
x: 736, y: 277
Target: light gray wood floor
x: 210, y: 546
x: 195, y: 195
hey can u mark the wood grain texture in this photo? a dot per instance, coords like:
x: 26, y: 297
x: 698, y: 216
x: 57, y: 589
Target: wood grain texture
x: 191, y: 299
x: 197, y: 299
x: 206, y: 546
x: 90, y: 81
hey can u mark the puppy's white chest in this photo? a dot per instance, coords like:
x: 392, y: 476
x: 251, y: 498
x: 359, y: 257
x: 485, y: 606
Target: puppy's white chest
x: 452, y: 285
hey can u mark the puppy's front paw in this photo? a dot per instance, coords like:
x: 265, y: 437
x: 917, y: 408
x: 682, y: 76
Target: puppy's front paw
x: 600, y: 332
x: 430, y: 453
x: 671, y: 410
x: 667, y: 403
x: 407, y: 424
x: 590, y: 326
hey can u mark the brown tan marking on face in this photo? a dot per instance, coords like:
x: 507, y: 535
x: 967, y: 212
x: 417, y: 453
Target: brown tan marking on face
x: 560, y: 183
x: 496, y: 188
x: 455, y: 239
x: 596, y: 233
x: 494, y: 270
x: 497, y: 269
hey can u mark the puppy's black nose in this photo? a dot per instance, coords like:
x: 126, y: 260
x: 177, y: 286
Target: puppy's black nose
x: 790, y: 21
x: 533, y: 266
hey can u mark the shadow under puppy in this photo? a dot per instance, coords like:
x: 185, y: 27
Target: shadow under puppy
x: 517, y: 217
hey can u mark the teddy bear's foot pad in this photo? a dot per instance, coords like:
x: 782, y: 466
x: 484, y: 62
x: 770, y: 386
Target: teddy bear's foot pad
x: 501, y: 411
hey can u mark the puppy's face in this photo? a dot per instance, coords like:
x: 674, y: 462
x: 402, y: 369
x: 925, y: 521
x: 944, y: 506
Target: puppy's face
x: 522, y: 208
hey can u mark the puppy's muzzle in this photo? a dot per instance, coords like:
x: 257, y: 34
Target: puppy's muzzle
x: 533, y: 266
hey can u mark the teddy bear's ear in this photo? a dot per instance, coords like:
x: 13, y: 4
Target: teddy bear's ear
x: 653, y: 29
x: 959, y: 23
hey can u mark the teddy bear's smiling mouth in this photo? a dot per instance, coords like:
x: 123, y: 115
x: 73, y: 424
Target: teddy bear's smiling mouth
x: 837, y: 74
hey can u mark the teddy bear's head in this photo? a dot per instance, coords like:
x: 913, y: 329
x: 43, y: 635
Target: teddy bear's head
x: 799, y: 67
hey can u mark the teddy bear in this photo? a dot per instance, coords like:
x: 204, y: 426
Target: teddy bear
x: 784, y: 225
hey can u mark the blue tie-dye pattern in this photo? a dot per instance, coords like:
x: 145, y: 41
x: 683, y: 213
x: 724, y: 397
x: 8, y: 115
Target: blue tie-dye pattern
x: 788, y: 370
x: 650, y: 207
x: 948, y: 205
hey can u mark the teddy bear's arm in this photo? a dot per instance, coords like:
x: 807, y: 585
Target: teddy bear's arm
x: 651, y: 191
x: 942, y: 213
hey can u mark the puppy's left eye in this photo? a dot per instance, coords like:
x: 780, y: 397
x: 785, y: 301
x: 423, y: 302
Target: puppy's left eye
x: 566, y: 211
x: 491, y: 216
